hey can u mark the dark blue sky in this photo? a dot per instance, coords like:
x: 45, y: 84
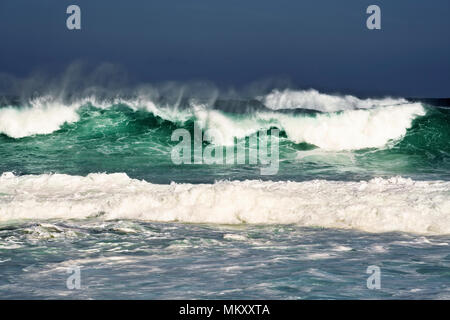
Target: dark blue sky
x: 315, y: 43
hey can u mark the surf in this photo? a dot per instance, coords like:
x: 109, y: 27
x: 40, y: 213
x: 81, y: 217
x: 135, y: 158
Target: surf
x: 376, y: 205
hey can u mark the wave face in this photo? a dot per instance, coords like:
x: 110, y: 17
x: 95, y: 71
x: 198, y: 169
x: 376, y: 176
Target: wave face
x: 378, y: 205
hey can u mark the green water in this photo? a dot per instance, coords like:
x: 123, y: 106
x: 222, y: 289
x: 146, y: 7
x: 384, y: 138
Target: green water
x: 120, y: 139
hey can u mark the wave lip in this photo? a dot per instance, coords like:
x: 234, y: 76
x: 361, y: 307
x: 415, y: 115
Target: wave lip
x: 41, y: 117
x: 314, y: 100
x: 378, y: 205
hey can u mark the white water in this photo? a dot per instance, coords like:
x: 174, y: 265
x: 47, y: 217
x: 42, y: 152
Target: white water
x: 378, y: 205
x: 47, y: 114
x: 314, y: 100
x: 346, y: 130
x: 40, y: 117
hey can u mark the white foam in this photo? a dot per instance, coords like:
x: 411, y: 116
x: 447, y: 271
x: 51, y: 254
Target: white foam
x: 314, y: 100
x: 346, y: 130
x: 353, y: 129
x: 45, y: 115
x: 378, y: 205
x: 225, y: 128
x: 41, y: 117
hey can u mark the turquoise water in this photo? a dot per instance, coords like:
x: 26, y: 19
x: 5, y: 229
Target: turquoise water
x: 120, y: 139
x: 161, y: 230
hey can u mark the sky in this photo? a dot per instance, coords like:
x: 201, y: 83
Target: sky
x: 321, y: 44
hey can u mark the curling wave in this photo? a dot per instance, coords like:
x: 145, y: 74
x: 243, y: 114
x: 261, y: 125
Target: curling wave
x: 345, y: 130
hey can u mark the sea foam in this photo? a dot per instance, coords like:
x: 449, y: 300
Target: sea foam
x: 345, y: 130
x: 377, y: 205
x: 40, y: 117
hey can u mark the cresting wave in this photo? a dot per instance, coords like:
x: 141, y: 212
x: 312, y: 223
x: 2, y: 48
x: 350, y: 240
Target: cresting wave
x: 45, y: 115
x: 378, y: 205
x: 348, y: 123
x: 346, y: 130
x: 42, y: 116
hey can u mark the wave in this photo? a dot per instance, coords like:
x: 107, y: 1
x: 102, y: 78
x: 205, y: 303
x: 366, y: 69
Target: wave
x: 380, y: 122
x: 345, y: 130
x: 377, y: 205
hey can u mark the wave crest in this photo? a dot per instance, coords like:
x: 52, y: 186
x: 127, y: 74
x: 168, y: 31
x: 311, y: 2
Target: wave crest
x: 314, y: 100
x: 43, y: 116
x: 346, y: 130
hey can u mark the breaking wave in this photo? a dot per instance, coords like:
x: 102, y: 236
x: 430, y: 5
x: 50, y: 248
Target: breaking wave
x: 339, y: 123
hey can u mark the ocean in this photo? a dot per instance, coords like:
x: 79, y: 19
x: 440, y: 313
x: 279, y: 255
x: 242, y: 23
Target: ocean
x: 89, y: 187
